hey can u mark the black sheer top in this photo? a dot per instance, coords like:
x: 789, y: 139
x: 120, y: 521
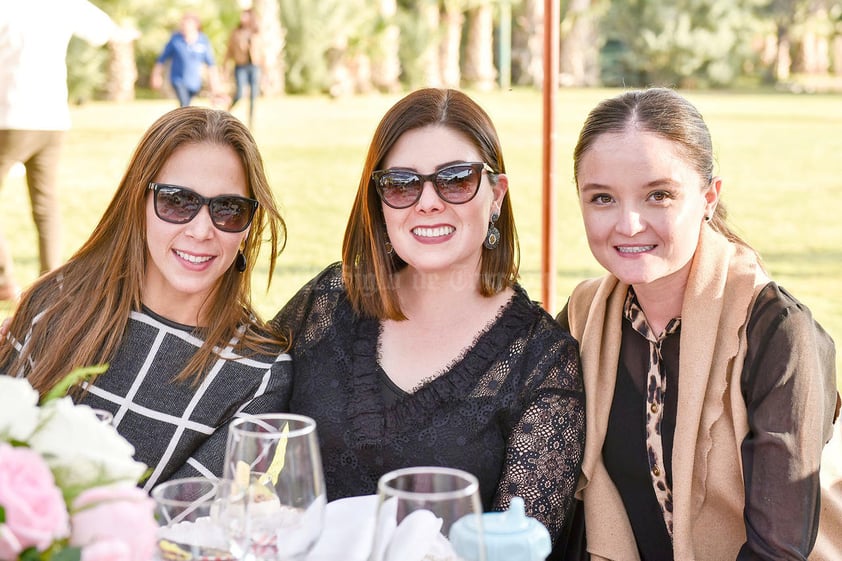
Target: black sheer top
x: 510, y: 410
x: 779, y: 329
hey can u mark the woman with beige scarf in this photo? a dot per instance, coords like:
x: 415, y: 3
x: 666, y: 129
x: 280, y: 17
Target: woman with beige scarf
x: 710, y: 390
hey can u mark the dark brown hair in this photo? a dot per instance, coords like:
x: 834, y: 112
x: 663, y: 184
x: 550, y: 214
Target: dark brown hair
x: 368, y: 269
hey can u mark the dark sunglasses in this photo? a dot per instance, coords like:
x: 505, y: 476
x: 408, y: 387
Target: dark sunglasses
x: 180, y: 205
x: 456, y: 184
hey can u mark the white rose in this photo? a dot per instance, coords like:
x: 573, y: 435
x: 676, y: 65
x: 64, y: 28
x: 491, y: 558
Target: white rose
x: 81, y: 449
x: 18, y: 409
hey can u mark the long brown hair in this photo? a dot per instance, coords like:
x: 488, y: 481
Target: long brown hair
x: 82, y: 308
x: 666, y: 113
x: 368, y: 269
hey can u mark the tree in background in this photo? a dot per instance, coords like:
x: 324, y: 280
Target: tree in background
x: 580, y: 42
x: 452, y: 14
x: 386, y: 64
x: 273, y: 40
x: 686, y: 43
x: 528, y: 43
x: 420, y: 37
x: 109, y: 72
x: 804, y: 36
x: 478, y: 64
x: 322, y: 38
x: 350, y: 46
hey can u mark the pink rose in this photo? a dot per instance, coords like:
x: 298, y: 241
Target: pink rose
x: 114, y: 523
x: 107, y: 550
x: 35, y: 511
x: 9, y: 544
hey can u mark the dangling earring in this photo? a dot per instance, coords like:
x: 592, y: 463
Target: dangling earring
x: 492, y: 237
x: 387, y: 245
x: 240, y: 262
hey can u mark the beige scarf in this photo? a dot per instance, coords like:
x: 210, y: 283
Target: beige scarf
x: 708, y: 492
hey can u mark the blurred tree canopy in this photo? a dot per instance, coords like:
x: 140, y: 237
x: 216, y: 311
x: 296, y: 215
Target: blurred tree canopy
x: 341, y: 47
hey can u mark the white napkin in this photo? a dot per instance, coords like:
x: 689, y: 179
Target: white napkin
x: 348, y: 530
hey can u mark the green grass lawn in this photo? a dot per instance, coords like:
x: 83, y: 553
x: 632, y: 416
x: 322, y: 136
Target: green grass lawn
x: 779, y: 156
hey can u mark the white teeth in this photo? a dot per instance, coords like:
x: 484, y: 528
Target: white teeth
x: 192, y: 258
x: 635, y: 249
x: 433, y: 232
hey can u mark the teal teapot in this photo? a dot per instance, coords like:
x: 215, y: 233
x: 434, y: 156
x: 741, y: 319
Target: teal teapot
x: 508, y: 536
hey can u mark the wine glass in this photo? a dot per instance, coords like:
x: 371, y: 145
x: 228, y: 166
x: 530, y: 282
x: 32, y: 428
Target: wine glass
x: 274, y: 499
x: 188, y: 528
x: 417, y: 507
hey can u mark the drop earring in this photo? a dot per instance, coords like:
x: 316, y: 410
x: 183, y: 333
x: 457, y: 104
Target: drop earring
x: 387, y: 245
x: 240, y: 262
x: 492, y: 237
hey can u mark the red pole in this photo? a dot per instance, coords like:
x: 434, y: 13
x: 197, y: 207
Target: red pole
x: 548, y: 261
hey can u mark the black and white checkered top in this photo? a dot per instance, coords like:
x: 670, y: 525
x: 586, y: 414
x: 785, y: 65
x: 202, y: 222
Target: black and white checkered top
x: 179, y: 429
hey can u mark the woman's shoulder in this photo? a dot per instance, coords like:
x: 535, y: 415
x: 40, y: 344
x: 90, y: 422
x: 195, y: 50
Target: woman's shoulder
x: 328, y: 281
x: 777, y: 315
x: 550, y: 353
x: 542, y: 324
x: 330, y: 278
x: 317, y: 301
x: 774, y: 305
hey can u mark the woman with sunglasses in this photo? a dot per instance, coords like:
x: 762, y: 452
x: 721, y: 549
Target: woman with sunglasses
x: 160, y: 293
x: 420, y: 348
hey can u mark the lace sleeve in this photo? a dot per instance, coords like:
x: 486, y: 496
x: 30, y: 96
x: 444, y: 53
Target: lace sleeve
x: 546, y: 445
x: 309, y: 312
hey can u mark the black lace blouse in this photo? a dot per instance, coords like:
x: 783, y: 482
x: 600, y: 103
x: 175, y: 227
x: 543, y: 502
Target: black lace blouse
x: 510, y: 410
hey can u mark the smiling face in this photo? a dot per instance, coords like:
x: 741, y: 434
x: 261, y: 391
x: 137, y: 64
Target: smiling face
x: 186, y: 261
x: 433, y: 236
x: 643, y: 206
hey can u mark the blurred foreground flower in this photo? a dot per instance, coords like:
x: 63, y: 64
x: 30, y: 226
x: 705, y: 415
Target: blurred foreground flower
x: 67, y: 483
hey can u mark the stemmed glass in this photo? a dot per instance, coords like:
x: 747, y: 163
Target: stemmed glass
x: 418, y: 507
x: 274, y: 492
x: 184, y: 509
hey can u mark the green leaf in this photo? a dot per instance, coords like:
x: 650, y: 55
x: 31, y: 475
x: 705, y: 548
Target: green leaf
x: 2, y: 514
x: 76, y: 376
x: 68, y: 554
x: 29, y: 554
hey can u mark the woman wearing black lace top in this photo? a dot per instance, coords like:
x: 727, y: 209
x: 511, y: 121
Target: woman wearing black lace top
x: 420, y: 348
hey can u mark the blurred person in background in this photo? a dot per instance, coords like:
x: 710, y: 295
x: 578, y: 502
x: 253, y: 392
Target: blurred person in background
x: 33, y: 107
x: 244, y: 50
x: 187, y: 51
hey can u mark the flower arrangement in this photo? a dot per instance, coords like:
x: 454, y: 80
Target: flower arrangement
x: 68, y: 482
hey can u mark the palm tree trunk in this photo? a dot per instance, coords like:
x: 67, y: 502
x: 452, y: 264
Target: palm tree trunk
x: 528, y: 45
x: 431, y: 65
x: 478, y: 70
x: 122, y: 71
x: 579, y: 54
x: 272, y: 81
x: 450, y: 45
x: 386, y: 68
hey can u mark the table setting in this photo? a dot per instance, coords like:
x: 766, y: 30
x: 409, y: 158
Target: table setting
x: 270, y: 505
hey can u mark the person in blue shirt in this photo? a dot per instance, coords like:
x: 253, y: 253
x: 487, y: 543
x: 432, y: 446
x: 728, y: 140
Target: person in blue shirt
x: 188, y: 49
